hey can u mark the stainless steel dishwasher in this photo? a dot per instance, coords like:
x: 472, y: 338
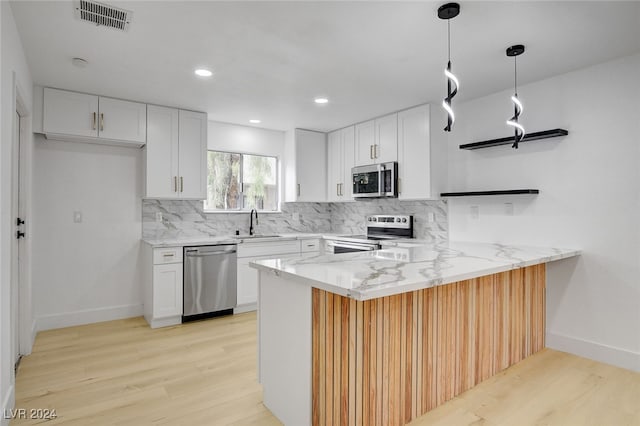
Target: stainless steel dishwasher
x: 210, y: 281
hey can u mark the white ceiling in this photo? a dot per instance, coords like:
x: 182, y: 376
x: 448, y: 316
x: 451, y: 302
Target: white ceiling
x: 270, y: 59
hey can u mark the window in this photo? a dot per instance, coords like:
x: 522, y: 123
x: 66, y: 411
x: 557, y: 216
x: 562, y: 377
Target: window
x: 241, y: 182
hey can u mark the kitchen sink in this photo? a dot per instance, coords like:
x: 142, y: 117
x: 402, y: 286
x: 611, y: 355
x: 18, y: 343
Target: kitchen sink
x: 247, y: 236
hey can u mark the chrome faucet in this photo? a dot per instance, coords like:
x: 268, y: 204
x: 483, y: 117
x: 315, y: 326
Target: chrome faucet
x: 251, y: 220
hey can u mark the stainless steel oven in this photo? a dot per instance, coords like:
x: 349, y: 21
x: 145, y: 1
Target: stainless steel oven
x: 375, y: 181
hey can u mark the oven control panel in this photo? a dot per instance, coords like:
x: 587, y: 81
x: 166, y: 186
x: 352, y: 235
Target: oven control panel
x: 390, y: 221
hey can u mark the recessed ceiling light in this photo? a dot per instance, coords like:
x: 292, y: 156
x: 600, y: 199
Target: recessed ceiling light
x: 254, y: 121
x: 321, y: 100
x: 203, y: 72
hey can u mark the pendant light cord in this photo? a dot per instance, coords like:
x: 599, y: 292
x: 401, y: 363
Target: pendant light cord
x: 449, y: 38
x: 515, y: 73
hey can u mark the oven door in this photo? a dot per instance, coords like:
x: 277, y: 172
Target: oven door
x: 366, y: 181
x: 375, y: 181
x: 337, y: 247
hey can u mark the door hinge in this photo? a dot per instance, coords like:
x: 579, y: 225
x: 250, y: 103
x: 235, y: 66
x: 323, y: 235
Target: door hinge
x: 19, y: 234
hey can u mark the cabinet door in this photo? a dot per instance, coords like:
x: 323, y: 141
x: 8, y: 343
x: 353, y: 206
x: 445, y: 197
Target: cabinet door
x: 167, y: 290
x: 161, y: 160
x: 364, y: 141
x: 247, y: 282
x: 311, y: 165
x: 192, y: 157
x: 122, y: 120
x: 70, y: 113
x: 334, y: 165
x: 414, y: 154
x: 348, y: 162
x: 386, y: 136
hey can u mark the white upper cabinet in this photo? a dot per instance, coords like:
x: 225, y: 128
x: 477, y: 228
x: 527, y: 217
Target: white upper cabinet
x: 89, y: 118
x: 161, y: 152
x: 422, y: 155
x: 306, y: 169
x: 192, y: 157
x: 70, y: 113
x: 341, y: 158
x: 122, y: 120
x: 176, y: 154
x: 386, y: 139
x: 364, y: 141
x: 377, y: 140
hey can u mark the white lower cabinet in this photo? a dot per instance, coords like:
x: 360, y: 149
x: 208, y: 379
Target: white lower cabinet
x: 163, y: 286
x: 251, y: 251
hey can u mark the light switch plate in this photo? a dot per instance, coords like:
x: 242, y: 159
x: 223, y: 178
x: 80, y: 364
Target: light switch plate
x: 158, y: 216
x: 431, y: 217
x: 77, y: 216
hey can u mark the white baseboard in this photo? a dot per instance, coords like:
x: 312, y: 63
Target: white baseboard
x: 88, y: 316
x: 248, y: 307
x: 603, y: 353
x: 8, y: 402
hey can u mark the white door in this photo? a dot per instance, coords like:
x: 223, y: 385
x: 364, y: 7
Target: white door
x: 167, y: 290
x: 348, y: 162
x: 311, y: 165
x: 334, y: 165
x: 16, y: 240
x: 386, y: 145
x: 414, y: 154
x: 365, y: 139
x: 192, y: 157
x: 122, y: 120
x: 70, y: 113
x: 161, y: 152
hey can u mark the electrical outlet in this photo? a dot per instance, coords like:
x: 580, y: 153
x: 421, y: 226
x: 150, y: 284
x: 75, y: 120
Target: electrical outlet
x: 77, y: 216
x: 508, y: 209
x: 475, y: 212
x: 296, y: 217
x: 158, y: 216
x: 431, y: 217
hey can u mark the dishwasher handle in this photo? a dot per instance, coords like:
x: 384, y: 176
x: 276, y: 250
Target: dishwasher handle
x: 196, y: 253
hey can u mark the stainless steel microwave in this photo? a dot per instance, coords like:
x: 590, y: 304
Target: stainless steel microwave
x: 375, y: 181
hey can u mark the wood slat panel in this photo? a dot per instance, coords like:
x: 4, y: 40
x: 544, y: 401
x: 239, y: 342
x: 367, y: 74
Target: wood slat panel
x: 390, y: 360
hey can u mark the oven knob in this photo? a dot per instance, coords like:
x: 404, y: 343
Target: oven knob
x: 370, y: 219
x: 404, y: 220
x: 374, y: 219
x: 398, y: 219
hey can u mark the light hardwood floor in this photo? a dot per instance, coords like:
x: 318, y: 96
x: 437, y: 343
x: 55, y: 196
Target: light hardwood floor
x: 204, y: 373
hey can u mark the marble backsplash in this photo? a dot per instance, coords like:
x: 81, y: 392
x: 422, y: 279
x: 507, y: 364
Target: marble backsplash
x: 187, y: 218
x: 348, y: 218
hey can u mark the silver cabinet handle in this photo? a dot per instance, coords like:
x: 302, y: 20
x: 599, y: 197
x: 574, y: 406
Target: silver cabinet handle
x: 375, y: 151
x: 168, y: 254
x: 337, y: 189
x: 341, y: 194
x: 175, y: 184
x: 181, y: 184
x: 93, y: 123
x: 399, y: 185
x: 371, y: 151
x: 298, y: 190
x: 101, y: 121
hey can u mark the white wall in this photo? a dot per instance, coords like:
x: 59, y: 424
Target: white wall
x: 89, y: 271
x: 247, y: 140
x: 589, y: 198
x: 13, y: 72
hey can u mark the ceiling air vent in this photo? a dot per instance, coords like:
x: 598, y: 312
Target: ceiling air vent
x: 102, y: 15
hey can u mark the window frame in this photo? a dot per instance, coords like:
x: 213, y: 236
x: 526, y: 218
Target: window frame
x: 241, y: 181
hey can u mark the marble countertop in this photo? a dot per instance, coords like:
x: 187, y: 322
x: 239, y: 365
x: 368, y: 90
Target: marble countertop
x: 407, y: 266
x: 225, y: 239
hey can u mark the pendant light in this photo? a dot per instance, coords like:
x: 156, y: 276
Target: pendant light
x: 515, y: 51
x: 449, y: 11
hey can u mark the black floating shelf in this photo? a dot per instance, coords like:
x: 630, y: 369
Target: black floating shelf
x: 503, y: 192
x: 507, y: 141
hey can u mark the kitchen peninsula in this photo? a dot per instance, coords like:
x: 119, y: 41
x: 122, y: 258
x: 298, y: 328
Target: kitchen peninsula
x: 382, y: 337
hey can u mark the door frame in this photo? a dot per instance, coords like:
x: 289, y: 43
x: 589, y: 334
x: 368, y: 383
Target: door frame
x: 25, y: 327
